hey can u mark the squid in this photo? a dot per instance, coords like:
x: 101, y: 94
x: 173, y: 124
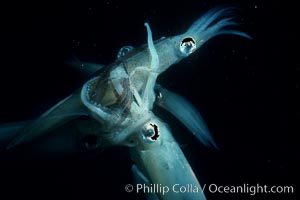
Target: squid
x: 115, y: 107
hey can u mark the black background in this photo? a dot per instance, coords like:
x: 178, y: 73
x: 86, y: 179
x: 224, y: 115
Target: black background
x: 243, y: 89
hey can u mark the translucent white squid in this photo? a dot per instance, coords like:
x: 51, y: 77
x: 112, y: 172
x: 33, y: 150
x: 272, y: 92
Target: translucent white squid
x: 115, y: 107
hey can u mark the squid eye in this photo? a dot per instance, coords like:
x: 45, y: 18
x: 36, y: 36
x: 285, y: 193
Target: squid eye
x: 187, y: 46
x: 150, y: 132
x: 158, y: 95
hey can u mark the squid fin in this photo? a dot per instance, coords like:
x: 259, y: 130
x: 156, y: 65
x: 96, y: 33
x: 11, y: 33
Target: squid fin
x: 186, y: 113
x: 85, y: 68
x: 66, y: 110
x: 8, y: 131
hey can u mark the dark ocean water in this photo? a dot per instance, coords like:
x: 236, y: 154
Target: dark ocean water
x: 241, y: 87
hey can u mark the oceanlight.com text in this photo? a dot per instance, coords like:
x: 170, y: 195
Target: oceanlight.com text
x: 248, y: 189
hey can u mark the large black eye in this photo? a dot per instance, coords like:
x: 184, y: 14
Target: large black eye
x: 187, y: 46
x: 150, y: 132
